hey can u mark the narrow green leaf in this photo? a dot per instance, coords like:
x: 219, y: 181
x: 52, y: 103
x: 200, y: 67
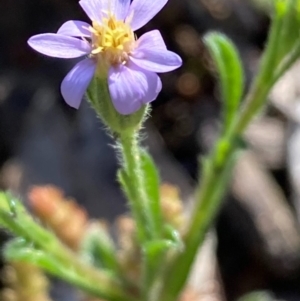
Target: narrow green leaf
x: 20, y: 250
x: 152, y: 182
x: 15, y: 218
x: 98, y: 248
x: 288, y: 14
x: 230, y: 70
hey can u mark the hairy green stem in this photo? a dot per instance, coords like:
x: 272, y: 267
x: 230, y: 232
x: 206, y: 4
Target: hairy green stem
x: 137, y: 197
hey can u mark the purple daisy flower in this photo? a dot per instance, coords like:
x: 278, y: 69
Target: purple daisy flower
x: 110, y: 46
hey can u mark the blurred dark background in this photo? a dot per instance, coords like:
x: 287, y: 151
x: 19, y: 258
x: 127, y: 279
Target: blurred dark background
x: 43, y: 141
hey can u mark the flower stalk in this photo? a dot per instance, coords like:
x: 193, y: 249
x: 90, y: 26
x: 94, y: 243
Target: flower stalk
x: 132, y: 178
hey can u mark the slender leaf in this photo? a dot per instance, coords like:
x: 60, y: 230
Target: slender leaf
x: 152, y: 182
x: 98, y: 248
x: 288, y: 13
x: 230, y: 70
x: 20, y: 250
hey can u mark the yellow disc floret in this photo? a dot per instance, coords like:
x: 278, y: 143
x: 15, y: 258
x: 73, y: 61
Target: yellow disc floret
x: 112, y: 40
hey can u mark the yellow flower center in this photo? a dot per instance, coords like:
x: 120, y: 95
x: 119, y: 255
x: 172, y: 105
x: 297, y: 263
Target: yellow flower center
x: 113, y: 40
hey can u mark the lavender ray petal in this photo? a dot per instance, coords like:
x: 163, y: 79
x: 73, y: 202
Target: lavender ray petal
x: 98, y: 9
x: 156, y: 60
x: 142, y: 11
x: 93, y: 9
x: 75, y: 29
x: 60, y: 46
x: 150, y: 40
x: 130, y: 87
x: 153, y: 84
x: 121, y: 8
x: 77, y: 81
x: 124, y: 91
